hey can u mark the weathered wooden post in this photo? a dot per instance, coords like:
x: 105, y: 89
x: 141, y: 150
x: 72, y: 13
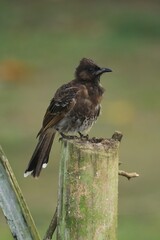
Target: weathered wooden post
x: 88, y: 189
x: 13, y: 204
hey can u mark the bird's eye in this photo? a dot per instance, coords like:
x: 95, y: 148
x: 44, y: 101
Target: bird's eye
x: 91, y: 70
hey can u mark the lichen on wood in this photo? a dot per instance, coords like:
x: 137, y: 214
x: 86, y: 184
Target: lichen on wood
x: 88, y: 189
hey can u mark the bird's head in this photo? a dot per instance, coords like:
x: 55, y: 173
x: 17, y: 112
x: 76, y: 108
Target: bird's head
x: 87, y: 70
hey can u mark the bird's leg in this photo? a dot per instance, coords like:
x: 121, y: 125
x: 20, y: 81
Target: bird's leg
x: 85, y: 137
x: 68, y: 137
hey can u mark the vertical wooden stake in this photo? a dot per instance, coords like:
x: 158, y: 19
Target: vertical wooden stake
x: 88, y: 189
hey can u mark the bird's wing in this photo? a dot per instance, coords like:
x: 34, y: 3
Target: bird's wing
x: 63, y: 101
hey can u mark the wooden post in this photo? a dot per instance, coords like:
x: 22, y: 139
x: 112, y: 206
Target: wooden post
x: 13, y: 204
x: 88, y: 189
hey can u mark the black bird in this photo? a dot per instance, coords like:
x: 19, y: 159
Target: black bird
x: 74, y: 109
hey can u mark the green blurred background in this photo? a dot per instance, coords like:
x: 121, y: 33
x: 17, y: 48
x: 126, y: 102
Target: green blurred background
x: 41, y: 43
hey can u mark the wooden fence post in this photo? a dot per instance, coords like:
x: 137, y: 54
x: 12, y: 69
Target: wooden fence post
x: 88, y: 189
x: 13, y: 204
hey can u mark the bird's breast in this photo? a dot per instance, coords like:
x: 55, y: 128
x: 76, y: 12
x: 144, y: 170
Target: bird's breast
x: 85, y: 111
x: 90, y: 94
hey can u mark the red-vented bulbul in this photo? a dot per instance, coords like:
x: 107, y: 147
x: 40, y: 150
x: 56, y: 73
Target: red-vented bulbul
x: 74, y: 109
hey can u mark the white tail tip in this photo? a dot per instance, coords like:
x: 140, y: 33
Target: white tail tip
x: 26, y: 174
x: 44, y: 165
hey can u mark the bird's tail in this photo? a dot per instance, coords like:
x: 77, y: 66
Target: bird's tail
x: 40, y: 156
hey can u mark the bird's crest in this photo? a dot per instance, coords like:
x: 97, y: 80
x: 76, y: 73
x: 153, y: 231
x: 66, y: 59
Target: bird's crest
x: 82, y: 71
x: 87, y: 61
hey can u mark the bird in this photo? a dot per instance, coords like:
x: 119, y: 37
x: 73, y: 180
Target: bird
x: 73, y: 109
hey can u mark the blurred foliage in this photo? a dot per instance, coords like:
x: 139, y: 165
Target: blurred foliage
x: 41, y: 43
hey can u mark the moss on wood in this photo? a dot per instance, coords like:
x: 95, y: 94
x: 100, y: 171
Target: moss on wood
x: 88, y: 190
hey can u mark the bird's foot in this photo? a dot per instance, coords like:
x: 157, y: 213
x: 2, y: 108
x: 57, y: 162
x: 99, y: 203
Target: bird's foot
x: 83, y: 137
x: 67, y: 137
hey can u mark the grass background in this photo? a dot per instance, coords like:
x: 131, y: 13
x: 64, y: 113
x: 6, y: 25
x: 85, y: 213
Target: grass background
x: 41, y: 43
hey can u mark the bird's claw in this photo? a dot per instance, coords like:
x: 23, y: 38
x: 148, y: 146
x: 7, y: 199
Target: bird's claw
x: 67, y: 137
x: 83, y: 137
x: 72, y: 137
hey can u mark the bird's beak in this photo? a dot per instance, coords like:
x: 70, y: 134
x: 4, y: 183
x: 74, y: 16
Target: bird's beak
x: 103, y: 70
